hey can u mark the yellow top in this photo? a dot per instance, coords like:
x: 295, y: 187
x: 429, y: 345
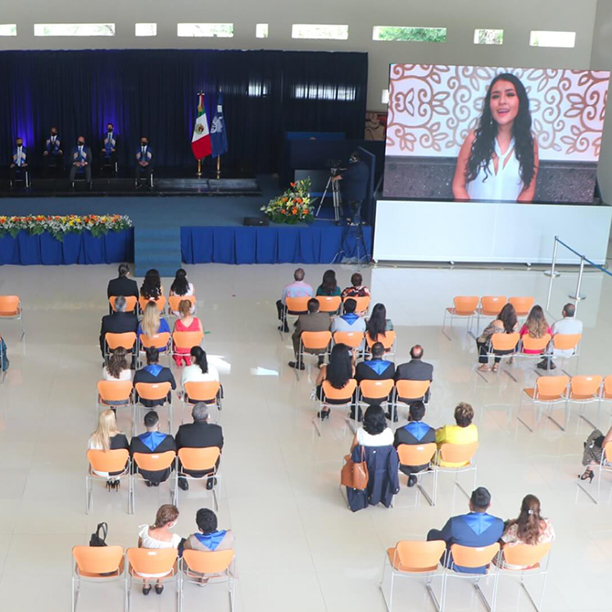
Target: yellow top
x: 453, y: 434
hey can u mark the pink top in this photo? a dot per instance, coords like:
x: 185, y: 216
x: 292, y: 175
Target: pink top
x: 525, y: 332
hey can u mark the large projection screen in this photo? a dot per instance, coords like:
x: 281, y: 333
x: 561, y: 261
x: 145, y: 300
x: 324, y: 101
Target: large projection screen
x: 468, y: 133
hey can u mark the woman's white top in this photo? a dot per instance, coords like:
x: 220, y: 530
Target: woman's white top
x: 190, y: 291
x: 148, y: 542
x: 124, y: 375
x: 92, y: 446
x: 384, y: 438
x: 193, y: 373
x: 505, y: 184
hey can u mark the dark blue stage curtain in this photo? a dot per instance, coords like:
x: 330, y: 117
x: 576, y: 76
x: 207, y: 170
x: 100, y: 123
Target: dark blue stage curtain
x: 43, y: 249
x: 153, y: 92
x: 269, y: 245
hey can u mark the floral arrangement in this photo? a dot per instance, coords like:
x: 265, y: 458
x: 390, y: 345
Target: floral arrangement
x: 293, y: 206
x: 57, y: 225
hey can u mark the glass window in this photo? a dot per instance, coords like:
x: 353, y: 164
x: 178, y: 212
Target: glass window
x: 8, y: 29
x: 216, y: 30
x: 319, y: 31
x: 541, y: 38
x: 74, y: 29
x: 409, y: 34
x: 146, y: 29
x: 261, y: 30
x: 488, y: 37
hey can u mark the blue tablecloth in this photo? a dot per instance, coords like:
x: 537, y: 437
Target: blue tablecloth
x: 83, y: 248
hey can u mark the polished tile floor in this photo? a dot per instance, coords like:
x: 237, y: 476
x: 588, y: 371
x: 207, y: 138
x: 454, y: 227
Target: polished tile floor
x: 299, y: 548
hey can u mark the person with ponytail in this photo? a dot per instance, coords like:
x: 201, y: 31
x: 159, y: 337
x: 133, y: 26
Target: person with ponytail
x: 530, y: 528
x: 200, y: 369
x: 499, y: 159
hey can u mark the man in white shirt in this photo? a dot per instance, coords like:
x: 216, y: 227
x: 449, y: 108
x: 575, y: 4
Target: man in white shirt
x: 568, y: 325
x: 298, y: 288
x: 349, y: 321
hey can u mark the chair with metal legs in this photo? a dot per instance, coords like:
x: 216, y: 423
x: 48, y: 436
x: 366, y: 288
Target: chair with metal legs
x: 336, y: 398
x: 462, y: 455
x: 549, y: 391
x: 464, y: 307
x: 420, y: 454
x: 11, y: 308
x: 490, y: 307
x: 584, y: 390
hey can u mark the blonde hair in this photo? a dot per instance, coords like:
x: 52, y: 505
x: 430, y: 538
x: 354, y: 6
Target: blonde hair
x: 150, y: 320
x: 536, y: 323
x: 184, y: 308
x: 107, y: 428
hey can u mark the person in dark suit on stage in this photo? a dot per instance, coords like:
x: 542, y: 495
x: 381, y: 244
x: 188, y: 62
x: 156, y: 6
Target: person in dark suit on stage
x: 109, y: 147
x: 199, y: 434
x: 153, y: 441
x: 416, y: 369
x: 354, y: 185
x: 19, y: 162
x: 154, y: 373
x: 144, y: 161
x: 122, y: 285
x: 81, y: 161
x: 118, y: 322
x: 53, y: 154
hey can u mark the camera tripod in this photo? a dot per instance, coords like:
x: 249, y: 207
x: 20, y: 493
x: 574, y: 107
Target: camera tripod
x: 336, y: 197
x: 360, y: 253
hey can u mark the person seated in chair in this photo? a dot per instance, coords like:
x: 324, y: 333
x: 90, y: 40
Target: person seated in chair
x: 153, y: 441
x: 19, y: 162
x: 123, y: 284
x: 199, y: 434
x: 464, y: 432
x: 357, y: 288
x: 208, y: 538
x: 144, y: 161
x: 154, y: 373
x: 415, y: 432
x: 118, y: 322
x: 53, y: 154
x: 109, y: 148
x: 81, y: 161
x: 298, y: 288
x: 376, y: 368
x: 416, y: 369
x: 349, y: 321
x: 475, y: 529
x: 568, y: 325
x: 314, y: 321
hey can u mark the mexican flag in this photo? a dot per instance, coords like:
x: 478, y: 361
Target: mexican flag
x: 200, y: 141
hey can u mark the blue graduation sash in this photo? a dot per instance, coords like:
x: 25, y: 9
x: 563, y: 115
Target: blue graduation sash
x: 19, y: 160
x: 152, y: 439
x: 378, y: 365
x: 109, y: 142
x: 478, y: 522
x: 211, y: 540
x: 153, y: 369
x: 350, y: 317
x: 51, y: 147
x: 418, y: 429
x: 80, y: 155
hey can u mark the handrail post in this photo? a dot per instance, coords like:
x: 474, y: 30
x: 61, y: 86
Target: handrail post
x: 552, y: 272
x: 577, y: 295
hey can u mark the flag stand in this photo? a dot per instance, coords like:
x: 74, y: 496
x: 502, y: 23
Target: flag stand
x: 199, y: 168
x: 218, y: 167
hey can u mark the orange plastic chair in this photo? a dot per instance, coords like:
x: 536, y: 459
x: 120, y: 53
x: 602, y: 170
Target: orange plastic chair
x: 549, y: 390
x: 95, y: 564
x: 114, y: 391
x: 567, y: 342
x: 186, y: 340
x: 153, y: 392
x: 461, y: 458
x: 534, y: 344
x: 419, y: 454
x: 340, y: 398
x: 314, y: 342
x: 199, y: 460
x: 379, y: 390
x: 127, y: 340
x: 490, y: 305
x: 408, y: 391
x: 205, y: 391
x: 215, y: 564
x: 387, y: 340
x: 329, y: 303
x: 585, y: 390
x: 352, y: 339
x: 159, y: 341
x: 160, y: 302
x: 150, y: 561
x: 411, y: 559
x: 10, y: 308
x: 294, y: 307
x: 606, y: 390
x: 175, y: 300
x: 110, y: 461
x: 363, y: 303
x: 522, y: 305
x: 154, y: 462
x: 465, y: 307
x: 505, y: 342
x: 130, y: 303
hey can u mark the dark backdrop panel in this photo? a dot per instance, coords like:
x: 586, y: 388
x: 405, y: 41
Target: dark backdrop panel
x: 153, y: 92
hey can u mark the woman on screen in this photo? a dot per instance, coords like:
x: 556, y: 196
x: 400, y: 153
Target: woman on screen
x: 499, y: 159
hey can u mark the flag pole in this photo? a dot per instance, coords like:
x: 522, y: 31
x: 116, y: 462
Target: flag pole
x: 199, y: 168
x: 218, y: 167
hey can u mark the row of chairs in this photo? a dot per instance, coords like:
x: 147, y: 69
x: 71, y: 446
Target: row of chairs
x: 163, y: 342
x: 138, y: 305
x: 10, y: 309
x: 417, y: 560
x: 104, y: 564
x: 119, y: 463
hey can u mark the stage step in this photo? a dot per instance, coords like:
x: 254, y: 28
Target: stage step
x: 157, y: 248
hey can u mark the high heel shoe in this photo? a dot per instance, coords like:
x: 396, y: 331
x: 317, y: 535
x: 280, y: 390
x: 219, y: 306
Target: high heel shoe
x: 587, y: 474
x: 324, y: 414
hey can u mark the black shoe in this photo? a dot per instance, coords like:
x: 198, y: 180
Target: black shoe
x: 146, y: 589
x: 148, y: 483
x: 183, y: 484
x: 320, y: 362
x: 297, y: 366
x: 210, y: 483
x: 359, y: 415
x: 285, y: 329
x: 412, y: 480
x: 155, y: 484
x: 159, y: 589
x: 393, y: 417
x: 324, y: 414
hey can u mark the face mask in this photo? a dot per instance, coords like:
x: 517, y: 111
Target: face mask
x: 81, y: 143
x: 143, y: 144
x: 20, y: 144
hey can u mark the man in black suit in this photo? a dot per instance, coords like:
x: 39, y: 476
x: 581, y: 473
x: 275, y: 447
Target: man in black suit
x: 122, y: 285
x: 81, y: 161
x: 154, y: 373
x: 415, y: 369
x: 199, y: 434
x: 118, y: 322
x: 153, y: 441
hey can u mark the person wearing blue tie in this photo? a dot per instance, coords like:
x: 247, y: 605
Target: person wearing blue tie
x: 81, y: 161
x: 144, y: 161
x: 109, y: 149
x: 477, y: 528
x: 19, y: 163
x: 53, y: 155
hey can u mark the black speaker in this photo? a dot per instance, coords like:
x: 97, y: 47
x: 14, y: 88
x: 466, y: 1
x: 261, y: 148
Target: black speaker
x: 256, y: 221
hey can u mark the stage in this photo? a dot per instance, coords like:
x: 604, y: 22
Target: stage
x: 174, y: 228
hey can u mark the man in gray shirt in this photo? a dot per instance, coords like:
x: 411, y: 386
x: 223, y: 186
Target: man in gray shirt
x: 568, y: 325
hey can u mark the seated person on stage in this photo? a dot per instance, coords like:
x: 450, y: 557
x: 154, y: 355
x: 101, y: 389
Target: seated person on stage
x: 144, y: 160
x: 477, y: 528
x: 415, y: 369
x: 19, y: 162
x: 53, y: 154
x: 81, y: 161
x: 350, y: 321
x: 152, y: 322
x: 109, y: 149
x: 199, y: 434
x: 568, y: 325
x: 123, y: 284
x: 337, y: 373
x: 415, y: 432
x: 118, y: 322
x: 314, y: 321
x: 154, y: 373
x: 357, y: 289
x: 298, y: 288
x: 464, y: 432
x: 329, y: 285
x: 354, y: 185
x: 153, y: 441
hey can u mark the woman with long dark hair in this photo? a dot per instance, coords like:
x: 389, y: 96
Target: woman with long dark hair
x: 378, y: 323
x: 329, y: 285
x: 181, y: 285
x: 499, y: 159
x: 505, y: 323
x: 151, y: 285
x: 338, y: 372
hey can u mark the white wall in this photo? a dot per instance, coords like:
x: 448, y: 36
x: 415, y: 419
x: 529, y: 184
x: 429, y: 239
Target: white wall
x: 515, y: 17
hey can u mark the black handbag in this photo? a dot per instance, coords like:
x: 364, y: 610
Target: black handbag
x: 97, y: 539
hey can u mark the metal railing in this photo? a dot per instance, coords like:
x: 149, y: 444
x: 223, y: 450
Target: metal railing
x: 553, y: 273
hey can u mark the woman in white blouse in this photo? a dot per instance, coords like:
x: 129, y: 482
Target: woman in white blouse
x: 199, y: 370
x: 158, y: 536
x: 374, y: 431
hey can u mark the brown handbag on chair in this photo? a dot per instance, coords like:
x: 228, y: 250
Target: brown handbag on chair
x: 355, y: 474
